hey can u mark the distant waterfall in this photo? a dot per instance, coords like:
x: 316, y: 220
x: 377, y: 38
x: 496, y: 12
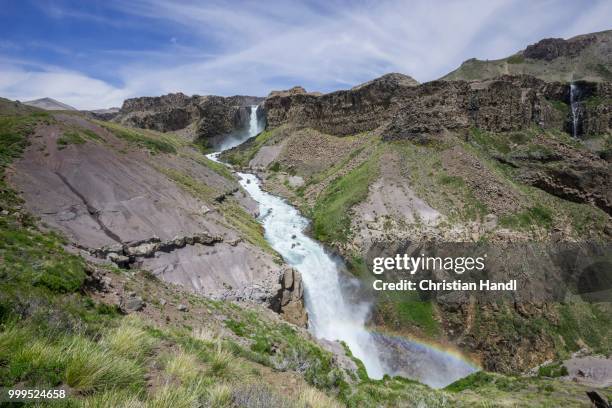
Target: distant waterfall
x: 241, y: 136
x: 574, y: 94
x: 253, y: 121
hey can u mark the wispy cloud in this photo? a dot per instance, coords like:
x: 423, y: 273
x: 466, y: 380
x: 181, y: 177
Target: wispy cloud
x: 253, y: 47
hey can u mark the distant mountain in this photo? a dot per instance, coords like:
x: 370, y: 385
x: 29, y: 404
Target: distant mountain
x: 112, y: 110
x: 48, y: 104
x: 584, y: 57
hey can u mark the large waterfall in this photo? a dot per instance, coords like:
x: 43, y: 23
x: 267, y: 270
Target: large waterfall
x: 331, y: 314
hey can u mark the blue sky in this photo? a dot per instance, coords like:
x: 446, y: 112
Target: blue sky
x: 94, y: 54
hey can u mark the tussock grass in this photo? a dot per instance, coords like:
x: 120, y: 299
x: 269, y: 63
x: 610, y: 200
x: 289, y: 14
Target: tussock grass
x: 205, y: 334
x: 175, y: 397
x: 111, y: 399
x: 12, y: 338
x: 183, y: 366
x: 91, y: 368
x: 220, y: 395
x: 313, y: 398
x: 223, y: 364
x: 129, y: 340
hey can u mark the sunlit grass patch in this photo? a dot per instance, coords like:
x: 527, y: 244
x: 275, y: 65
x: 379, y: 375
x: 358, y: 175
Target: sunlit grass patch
x: 183, y: 366
x: 155, y: 142
x: 92, y: 368
x: 129, y: 339
x: 175, y: 397
x: 112, y: 398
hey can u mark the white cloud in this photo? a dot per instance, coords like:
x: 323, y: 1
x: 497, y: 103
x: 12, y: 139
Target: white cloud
x: 73, y: 88
x: 259, y: 46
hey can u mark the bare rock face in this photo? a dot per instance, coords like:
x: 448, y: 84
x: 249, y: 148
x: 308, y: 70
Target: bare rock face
x: 596, y: 108
x: 404, y: 109
x: 209, y: 115
x: 360, y: 109
x: 408, y: 109
x: 550, y: 48
x: 296, y: 90
x: 289, y: 301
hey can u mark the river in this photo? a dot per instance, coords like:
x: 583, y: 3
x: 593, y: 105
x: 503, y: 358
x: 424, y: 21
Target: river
x: 331, y: 314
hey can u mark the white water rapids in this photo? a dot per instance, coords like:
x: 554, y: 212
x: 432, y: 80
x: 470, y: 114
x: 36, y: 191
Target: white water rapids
x: 331, y: 314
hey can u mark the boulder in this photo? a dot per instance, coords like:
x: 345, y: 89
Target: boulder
x: 131, y: 303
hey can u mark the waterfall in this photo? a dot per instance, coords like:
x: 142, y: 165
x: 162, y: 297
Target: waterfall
x: 331, y: 314
x: 243, y: 135
x: 574, y: 94
x: 253, y: 121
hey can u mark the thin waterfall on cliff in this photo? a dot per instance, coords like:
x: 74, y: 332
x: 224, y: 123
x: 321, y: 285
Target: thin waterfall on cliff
x: 574, y: 93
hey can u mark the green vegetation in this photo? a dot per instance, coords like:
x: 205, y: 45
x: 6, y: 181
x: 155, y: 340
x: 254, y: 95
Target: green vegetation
x: 398, y: 311
x: 70, y: 137
x: 552, y: 370
x: 595, y: 101
x: 219, y: 168
x: 191, y: 185
x: 535, y: 216
x: 77, y: 137
x: 516, y: 59
x: 233, y: 213
x: 153, y: 141
x: 543, y: 210
x: 55, y: 333
x: 560, y: 106
x: 330, y: 215
x: 275, y: 167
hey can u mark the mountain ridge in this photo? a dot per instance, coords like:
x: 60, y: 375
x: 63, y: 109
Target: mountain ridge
x: 584, y: 57
x: 49, y: 104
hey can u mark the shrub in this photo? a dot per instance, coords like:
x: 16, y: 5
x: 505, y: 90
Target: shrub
x: 552, y: 370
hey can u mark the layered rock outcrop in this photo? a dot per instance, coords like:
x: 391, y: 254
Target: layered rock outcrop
x: 550, y: 48
x: 403, y: 109
x: 406, y: 108
x: 207, y: 115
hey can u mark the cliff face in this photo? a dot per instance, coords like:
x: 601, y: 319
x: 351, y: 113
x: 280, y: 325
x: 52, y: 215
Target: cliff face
x: 406, y: 110
x: 344, y: 112
x: 201, y: 116
x: 549, y: 49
